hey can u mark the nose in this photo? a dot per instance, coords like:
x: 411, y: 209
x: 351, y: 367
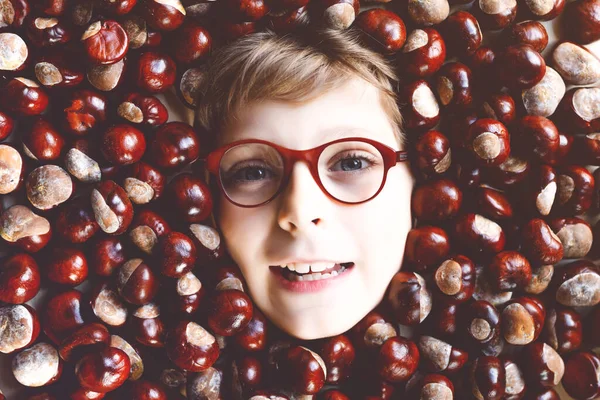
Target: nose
x: 301, y: 203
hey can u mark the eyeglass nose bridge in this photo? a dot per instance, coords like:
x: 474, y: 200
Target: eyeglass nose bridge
x: 310, y: 156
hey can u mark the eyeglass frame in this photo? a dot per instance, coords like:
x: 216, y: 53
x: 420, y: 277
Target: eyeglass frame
x: 390, y: 156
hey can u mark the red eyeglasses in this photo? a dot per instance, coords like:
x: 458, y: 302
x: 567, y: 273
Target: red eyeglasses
x: 253, y: 172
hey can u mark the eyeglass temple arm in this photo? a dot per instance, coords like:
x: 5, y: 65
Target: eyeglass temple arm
x: 401, y: 156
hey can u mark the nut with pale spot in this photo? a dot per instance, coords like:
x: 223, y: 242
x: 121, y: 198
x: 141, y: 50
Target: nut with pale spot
x: 544, y: 97
x: 191, y: 347
x: 48, y: 186
x: 13, y: 52
x: 522, y: 320
x: 543, y: 365
x: 19, y: 327
x: 540, y: 279
x: 112, y: 209
x: 516, y: 384
x: 11, y: 169
x: 39, y: 365
x: 439, y: 356
x: 428, y: 13
x: 107, y: 305
x: 137, y: 363
x: 455, y: 279
x: 19, y: 222
x: 409, y: 298
x: 577, y: 284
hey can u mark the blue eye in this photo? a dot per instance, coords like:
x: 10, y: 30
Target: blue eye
x: 249, y: 173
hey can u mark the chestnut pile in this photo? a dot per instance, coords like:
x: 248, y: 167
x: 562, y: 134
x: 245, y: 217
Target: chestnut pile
x: 108, y: 194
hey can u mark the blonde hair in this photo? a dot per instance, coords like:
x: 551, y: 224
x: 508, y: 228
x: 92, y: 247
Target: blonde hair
x: 295, y: 66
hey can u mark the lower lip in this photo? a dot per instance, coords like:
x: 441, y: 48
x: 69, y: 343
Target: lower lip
x: 309, y: 286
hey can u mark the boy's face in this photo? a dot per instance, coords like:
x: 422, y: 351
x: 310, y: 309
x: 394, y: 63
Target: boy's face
x: 303, y: 222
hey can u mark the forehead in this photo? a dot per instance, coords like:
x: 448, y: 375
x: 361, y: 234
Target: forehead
x: 353, y: 109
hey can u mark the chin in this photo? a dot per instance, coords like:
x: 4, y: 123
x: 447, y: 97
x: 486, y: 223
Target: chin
x: 314, y: 327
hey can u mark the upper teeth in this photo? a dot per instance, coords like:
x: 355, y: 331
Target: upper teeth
x: 302, y: 268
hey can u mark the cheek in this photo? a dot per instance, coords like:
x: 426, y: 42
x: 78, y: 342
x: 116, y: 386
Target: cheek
x: 241, y: 229
x: 386, y: 221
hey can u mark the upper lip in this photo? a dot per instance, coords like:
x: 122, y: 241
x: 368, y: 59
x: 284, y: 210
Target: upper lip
x: 304, y: 261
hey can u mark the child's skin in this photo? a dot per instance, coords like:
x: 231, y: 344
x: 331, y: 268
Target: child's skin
x: 304, y: 222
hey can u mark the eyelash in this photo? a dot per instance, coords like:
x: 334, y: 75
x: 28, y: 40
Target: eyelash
x: 372, y: 163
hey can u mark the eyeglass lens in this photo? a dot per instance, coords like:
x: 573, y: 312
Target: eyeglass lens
x: 351, y: 171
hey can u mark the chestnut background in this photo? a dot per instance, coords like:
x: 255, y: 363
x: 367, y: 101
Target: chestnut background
x: 178, y: 112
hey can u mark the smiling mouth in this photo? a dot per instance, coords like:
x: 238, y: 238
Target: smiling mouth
x: 328, y: 273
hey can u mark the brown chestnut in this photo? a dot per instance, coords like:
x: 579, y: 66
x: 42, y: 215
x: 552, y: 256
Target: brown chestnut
x: 384, y: 30
x: 509, y: 270
x: 75, y: 221
x: 107, y: 305
x: 19, y: 327
x: 495, y: 15
x: 421, y: 110
x: 164, y: 15
x: 543, y: 98
x: 137, y: 363
x: 528, y: 32
x: 26, y: 97
x: 112, y: 209
x: 173, y: 145
x: 397, y: 359
x: 582, y: 376
x: 523, y: 320
x: 42, y: 141
x: 426, y: 246
x: 84, y: 111
x: 16, y: 54
x: 563, y: 329
x: 462, y: 33
x: 540, y: 244
x: 104, y: 370
x: 543, y: 365
x: 433, y: 154
x: 575, y: 190
x: 423, y: 53
x: 488, y: 378
x: 191, y: 347
x: 19, y: 279
x: 154, y: 72
x: 105, y: 42
x: 190, y: 197
x: 489, y: 142
x: 147, y: 326
x: 175, y: 254
x: 436, y: 201
x: 519, y: 66
x: 577, y: 284
x: 229, y: 311
x: 39, y: 365
x: 576, y: 64
x: 478, y: 236
x: 48, y: 186
x: 582, y: 21
x: 136, y: 282
x: 439, y: 356
x: 409, y: 298
x: 575, y: 111
x: 67, y: 266
x: 62, y: 315
x: 123, y: 144
x: 88, y: 338
x: 428, y: 13
x: 140, y: 109
x: 455, y: 279
x: 542, y: 9
x: 24, y: 228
